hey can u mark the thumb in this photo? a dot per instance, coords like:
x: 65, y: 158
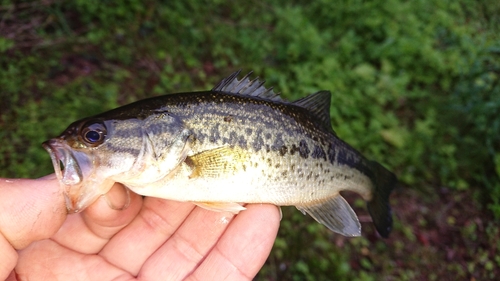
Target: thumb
x: 30, y: 210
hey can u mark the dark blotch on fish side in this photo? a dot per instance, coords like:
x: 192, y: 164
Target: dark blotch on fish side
x: 258, y: 141
x: 278, y: 142
x: 214, y: 133
x: 268, y: 148
x: 242, y: 142
x: 283, y: 150
x: 233, y: 138
x: 201, y: 137
x: 318, y: 153
x: 303, y: 149
x: 331, y: 153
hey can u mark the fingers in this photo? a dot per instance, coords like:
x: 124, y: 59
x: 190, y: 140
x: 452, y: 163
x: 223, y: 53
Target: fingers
x: 154, y: 238
x: 8, y: 258
x: 30, y: 210
x: 156, y: 222
x: 188, y: 246
x: 48, y: 260
x: 70, y: 253
x: 90, y: 230
x: 170, y: 239
x: 244, y: 247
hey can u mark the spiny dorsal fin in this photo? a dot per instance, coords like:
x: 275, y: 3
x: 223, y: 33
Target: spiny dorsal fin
x: 319, y: 105
x: 245, y: 86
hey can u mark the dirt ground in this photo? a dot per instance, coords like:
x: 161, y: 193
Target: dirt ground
x: 443, y: 235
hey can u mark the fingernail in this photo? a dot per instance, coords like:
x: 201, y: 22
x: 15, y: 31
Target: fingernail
x: 118, y: 198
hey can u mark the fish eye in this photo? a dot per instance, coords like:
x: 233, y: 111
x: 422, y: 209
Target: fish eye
x: 92, y: 136
x: 93, y: 133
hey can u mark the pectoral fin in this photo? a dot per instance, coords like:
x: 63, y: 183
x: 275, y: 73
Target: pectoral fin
x: 221, y: 207
x: 336, y: 214
x: 218, y: 162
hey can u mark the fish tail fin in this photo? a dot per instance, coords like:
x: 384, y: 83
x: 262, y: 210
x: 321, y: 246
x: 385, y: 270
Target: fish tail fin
x: 378, y: 206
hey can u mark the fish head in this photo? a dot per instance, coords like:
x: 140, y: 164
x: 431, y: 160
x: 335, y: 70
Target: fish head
x: 95, y: 152
x: 84, y: 161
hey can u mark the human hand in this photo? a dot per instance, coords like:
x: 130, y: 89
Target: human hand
x: 152, y: 239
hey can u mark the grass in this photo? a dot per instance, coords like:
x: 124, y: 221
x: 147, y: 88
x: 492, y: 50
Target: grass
x: 415, y: 86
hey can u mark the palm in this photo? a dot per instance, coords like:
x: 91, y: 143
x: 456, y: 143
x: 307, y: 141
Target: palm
x: 153, y: 239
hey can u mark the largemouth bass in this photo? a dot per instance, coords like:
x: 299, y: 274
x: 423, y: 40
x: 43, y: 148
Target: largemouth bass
x: 238, y: 143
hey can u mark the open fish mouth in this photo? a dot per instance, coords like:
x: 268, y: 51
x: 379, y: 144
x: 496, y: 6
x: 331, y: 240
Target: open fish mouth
x: 65, y: 165
x: 71, y: 168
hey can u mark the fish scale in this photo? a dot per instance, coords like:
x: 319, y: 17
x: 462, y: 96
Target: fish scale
x: 239, y: 143
x: 215, y: 123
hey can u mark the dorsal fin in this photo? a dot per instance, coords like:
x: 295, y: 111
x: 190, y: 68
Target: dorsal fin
x: 319, y: 105
x: 245, y: 86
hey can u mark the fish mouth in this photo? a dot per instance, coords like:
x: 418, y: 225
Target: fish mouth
x: 72, y: 168
x: 65, y: 165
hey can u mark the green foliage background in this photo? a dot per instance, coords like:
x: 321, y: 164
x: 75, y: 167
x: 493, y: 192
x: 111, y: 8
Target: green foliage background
x: 415, y: 86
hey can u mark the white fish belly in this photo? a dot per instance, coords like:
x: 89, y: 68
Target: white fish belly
x: 282, y: 182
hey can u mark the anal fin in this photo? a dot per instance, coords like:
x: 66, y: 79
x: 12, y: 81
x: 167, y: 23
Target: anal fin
x: 336, y: 214
x: 221, y: 206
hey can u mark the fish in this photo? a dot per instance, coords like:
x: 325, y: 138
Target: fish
x: 220, y: 149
